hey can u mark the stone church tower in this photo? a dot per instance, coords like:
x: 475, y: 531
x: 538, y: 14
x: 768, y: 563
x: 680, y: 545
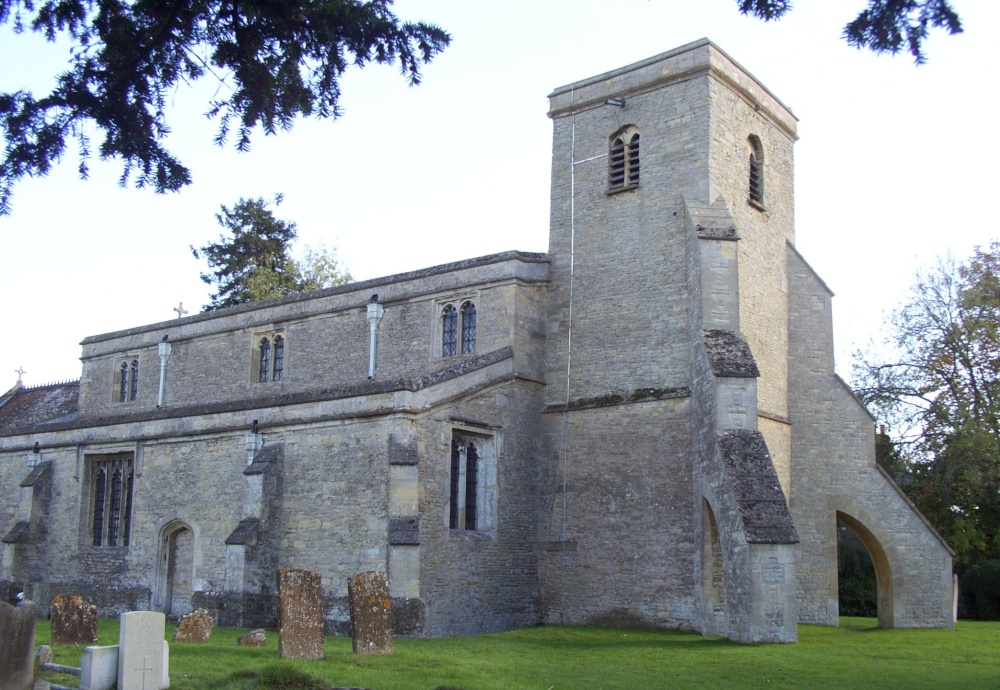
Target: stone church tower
x: 686, y: 429
x: 642, y: 426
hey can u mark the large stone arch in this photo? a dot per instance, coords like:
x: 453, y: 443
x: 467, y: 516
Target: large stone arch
x: 883, y: 570
x: 879, y: 542
x: 178, y: 557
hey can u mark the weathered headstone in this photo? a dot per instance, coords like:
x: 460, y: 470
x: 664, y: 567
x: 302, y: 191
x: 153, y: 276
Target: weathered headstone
x: 197, y: 626
x: 141, y: 662
x: 74, y: 620
x: 43, y: 655
x: 17, y: 646
x: 300, y: 614
x: 99, y: 668
x: 371, y: 615
x: 254, y: 638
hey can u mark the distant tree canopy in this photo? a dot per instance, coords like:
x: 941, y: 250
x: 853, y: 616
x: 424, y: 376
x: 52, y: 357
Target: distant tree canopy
x: 273, y: 62
x: 252, y: 261
x: 884, y: 26
x: 936, y: 382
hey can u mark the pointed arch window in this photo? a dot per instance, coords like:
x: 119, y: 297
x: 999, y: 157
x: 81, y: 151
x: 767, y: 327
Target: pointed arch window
x: 268, y: 356
x: 264, y: 368
x: 126, y: 381
x: 623, y: 159
x: 755, y: 187
x: 468, y: 328
x: 449, y: 331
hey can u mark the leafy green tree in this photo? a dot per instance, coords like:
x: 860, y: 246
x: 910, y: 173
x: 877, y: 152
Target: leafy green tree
x: 936, y: 380
x: 253, y: 260
x: 884, y: 26
x: 273, y: 62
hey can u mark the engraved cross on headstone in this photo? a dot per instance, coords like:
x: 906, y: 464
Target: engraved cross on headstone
x: 20, y: 372
x: 145, y: 670
x: 181, y: 311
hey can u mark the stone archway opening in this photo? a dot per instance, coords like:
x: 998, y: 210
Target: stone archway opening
x: 176, y: 569
x: 879, y: 563
x: 712, y: 573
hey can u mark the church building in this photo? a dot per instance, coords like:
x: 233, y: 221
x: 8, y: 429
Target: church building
x: 642, y: 426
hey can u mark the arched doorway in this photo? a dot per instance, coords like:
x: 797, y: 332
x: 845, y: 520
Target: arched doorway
x: 883, y: 573
x: 176, y: 568
x: 713, y: 591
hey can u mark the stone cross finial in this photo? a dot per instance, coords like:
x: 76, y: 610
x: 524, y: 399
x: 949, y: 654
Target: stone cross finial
x: 181, y: 311
x: 20, y: 372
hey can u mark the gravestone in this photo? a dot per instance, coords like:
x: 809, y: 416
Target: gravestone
x: 197, y: 626
x: 254, y: 638
x: 74, y: 620
x: 99, y: 668
x: 141, y: 647
x: 300, y: 614
x: 371, y: 615
x: 17, y: 646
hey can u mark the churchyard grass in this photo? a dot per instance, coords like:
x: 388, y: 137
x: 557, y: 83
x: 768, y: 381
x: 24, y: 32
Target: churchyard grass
x: 856, y: 655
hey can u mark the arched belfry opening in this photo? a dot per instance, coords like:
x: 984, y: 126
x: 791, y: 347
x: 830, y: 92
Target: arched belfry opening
x: 713, y: 585
x: 175, y: 568
x: 883, y: 572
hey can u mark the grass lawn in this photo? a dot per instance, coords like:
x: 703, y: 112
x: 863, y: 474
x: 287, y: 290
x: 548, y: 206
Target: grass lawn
x: 855, y: 655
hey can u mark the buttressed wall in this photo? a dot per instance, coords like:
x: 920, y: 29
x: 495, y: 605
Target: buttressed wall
x: 641, y: 427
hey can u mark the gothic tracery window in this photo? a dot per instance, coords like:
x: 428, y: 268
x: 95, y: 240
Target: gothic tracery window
x: 268, y: 363
x: 111, y: 482
x: 472, y: 486
x: 458, y: 329
x: 126, y: 386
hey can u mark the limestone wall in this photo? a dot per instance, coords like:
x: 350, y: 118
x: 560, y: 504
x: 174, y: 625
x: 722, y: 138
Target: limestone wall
x: 326, y: 336
x: 834, y: 473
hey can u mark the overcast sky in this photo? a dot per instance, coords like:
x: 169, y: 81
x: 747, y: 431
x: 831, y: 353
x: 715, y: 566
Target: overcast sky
x: 895, y: 164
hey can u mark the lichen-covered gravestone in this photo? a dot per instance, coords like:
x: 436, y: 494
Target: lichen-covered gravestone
x: 17, y: 646
x: 371, y: 615
x: 141, y: 650
x: 74, y: 621
x: 300, y: 614
x: 197, y: 626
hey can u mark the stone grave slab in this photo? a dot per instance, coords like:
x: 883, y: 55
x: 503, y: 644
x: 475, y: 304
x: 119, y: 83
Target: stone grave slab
x: 300, y: 614
x: 99, y: 668
x: 371, y: 615
x: 254, y: 638
x: 17, y: 646
x: 196, y: 626
x: 74, y: 620
x: 141, y: 647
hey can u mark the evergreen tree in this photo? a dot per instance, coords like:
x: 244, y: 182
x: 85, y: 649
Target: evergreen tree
x: 253, y: 260
x: 884, y: 26
x: 273, y: 62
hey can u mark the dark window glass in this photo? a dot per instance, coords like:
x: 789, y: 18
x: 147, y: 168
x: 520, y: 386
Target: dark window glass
x: 471, y: 486
x: 100, y: 488
x: 115, y: 514
x: 449, y: 331
x: 127, y: 515
x: 468, y: 328
x: 265, y: 360
x: 279, y: 357
x: 123, y: 383
x: 456, y: 457
x: 134, y: 384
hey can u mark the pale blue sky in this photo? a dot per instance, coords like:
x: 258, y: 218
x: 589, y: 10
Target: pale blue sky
x: 895, y: 164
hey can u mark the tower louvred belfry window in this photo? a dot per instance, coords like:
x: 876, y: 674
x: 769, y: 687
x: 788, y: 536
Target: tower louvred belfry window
x: 756, y: 182
x: 623, y: 159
